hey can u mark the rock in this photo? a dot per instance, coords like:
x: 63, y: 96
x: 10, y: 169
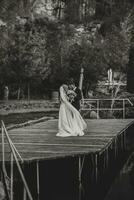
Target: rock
x: 94, y: 115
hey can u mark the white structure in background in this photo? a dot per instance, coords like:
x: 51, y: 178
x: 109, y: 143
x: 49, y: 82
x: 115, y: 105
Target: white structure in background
x: 113, y: 81
x: 110, y: 76
x: 81, y: 79
x: 6, y: 93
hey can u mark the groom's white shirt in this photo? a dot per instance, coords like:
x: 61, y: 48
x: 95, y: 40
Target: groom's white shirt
x: 74, y: 88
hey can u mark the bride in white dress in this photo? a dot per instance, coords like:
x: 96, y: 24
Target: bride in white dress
x: 70, y: 122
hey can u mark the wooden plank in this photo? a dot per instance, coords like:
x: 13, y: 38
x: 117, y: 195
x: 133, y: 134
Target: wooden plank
x: 94, y: 135
x: 29, y: 156
x: 51, y: 141
x: 47, y: 146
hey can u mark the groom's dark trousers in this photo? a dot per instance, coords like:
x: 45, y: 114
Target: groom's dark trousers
x: 76, y: 102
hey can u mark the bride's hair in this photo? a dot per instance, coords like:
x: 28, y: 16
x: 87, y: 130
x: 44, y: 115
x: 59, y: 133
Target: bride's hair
x: 65, y: 87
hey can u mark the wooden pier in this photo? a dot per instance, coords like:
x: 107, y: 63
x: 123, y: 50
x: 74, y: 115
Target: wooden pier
x: 39, y: 143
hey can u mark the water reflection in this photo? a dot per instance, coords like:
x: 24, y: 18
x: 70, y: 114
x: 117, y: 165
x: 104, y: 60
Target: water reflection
x: 123, y: 186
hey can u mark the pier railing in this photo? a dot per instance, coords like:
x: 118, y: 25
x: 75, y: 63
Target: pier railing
x: 14, y: 157
x: 96, y: 105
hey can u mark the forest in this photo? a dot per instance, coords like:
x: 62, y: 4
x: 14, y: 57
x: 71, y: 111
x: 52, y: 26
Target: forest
x: 44, y: 42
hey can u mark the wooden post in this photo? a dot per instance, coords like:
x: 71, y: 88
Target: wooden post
x: 10, y: 142
x: 18, y: 165
x: 115, y: 146
x: 24, y: 194
x: 5, y: 185
x: 93, y: 170
x: 11, y: 188
x: 104, y: 160
x: 80, y: 184
x: 96, y: 167
x: 38, y: 180
x: 124, y: 140
x: 22, y: 176
x: 81, y: 79
x: 107, y: 157
x: 3, y: 149
x: 24, y: 190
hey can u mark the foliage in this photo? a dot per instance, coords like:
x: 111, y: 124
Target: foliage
x: 46, y: 51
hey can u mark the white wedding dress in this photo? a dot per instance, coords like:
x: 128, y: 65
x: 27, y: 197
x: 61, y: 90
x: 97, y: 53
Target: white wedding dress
x: 70, y: 121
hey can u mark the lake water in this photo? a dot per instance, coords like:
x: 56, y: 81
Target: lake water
x: 123, y: 186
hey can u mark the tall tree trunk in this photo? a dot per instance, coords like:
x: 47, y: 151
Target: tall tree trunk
x: 130, y: 72
x: 28, y: 87
x: 72, y: 11
x: 18, y: 94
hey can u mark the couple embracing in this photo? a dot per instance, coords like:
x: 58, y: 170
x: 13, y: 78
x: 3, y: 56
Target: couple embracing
x: 70, y: 122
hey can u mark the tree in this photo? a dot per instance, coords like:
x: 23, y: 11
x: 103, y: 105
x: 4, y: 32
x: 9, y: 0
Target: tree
x: 130, y: 68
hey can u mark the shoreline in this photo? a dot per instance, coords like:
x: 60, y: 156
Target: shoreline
x: 19, y: 111
x: 25, y: 106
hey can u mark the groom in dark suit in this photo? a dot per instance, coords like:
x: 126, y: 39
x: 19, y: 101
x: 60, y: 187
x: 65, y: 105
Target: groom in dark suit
x: 78, y: 97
